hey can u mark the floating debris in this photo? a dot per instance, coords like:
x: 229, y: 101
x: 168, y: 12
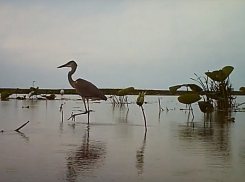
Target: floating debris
x: 22, y: 126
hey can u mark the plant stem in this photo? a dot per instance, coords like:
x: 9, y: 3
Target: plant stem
x: 144, y: 117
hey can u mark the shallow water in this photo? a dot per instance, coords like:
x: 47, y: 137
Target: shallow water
x: 114, y: 147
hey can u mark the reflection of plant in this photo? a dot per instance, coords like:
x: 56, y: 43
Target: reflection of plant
x: 212, y: 139
x: 140, y: 156
x: 215, y: 86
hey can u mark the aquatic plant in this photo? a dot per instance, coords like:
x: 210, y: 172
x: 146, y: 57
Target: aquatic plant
x: 125, y: 91
x: 242, y: 89
x: 140, y: 102
x: 5, y: 95
x: 33, y: 91
x: 215, y: 88
x: 120, y: 98
x: 221, y: 87
x: 188, y: 98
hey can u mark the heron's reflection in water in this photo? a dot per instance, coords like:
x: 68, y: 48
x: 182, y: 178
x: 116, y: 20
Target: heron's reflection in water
x: 89, y: 156
x: 140, y: 156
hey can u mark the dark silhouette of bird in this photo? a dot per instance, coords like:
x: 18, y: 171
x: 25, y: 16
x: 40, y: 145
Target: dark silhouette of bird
x: 84, y: 88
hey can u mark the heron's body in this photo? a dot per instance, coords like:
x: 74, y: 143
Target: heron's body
x: 88, y: 90
x: 84, y: 88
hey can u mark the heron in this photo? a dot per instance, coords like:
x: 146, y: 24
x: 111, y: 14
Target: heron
x: 84, y: 88
x: 62, y: 92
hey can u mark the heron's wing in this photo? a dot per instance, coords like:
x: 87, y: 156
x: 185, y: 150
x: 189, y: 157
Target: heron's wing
x: 88, y: 89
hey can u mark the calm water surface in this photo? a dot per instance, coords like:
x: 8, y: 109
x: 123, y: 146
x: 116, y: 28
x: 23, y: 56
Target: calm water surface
x: 114, y: 147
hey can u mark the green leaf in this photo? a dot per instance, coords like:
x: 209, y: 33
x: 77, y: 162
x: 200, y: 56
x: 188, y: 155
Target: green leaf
x: 195, y: 88
x: 227, y: 70
x: 220, y: 75
x: 173, y: 89
x: 242, y: 89
x: 213, y: 75
x: 125, y: 91
x: 189, y: 98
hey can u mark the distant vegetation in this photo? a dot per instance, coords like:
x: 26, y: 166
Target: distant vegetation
x: 108, y: 91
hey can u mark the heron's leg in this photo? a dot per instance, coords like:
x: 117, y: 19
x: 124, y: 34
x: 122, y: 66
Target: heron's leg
x: 88, y: 109
x: 84, y: 104
x: 88, y: 104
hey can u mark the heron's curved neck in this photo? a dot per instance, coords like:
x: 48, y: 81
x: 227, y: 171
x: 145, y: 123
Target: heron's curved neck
x: 70, y: 73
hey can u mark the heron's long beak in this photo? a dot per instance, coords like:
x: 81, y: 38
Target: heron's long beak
x: 62, y: 66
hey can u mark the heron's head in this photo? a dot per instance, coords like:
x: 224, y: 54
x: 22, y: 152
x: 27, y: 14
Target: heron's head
x: 71, y: 64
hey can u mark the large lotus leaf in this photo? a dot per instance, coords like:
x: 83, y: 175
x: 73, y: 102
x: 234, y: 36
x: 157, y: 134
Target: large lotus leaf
x: 189, y: 98
x: 173, y: 89
x: 214, y: 75
x: 205, y: 107
x: 224, y: 73
x: 242, y: 89
x: 125, y: 91
x: 227, y: 70
x: 195, y: 88
x: 220, y: 75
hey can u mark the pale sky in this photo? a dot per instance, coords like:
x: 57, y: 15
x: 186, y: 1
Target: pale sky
x: 119, y: 43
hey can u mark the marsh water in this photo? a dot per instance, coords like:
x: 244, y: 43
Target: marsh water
x: 115, y: 147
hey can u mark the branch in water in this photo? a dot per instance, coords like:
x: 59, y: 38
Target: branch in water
x: 22, y: 126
